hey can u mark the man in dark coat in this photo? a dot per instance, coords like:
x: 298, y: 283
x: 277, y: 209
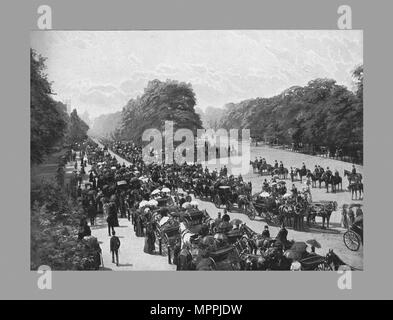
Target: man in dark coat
x: 114, y: 247
x: 266, y: 232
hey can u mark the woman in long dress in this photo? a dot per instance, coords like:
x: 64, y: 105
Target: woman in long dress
x: 150, y: 240
x: 344, y: 217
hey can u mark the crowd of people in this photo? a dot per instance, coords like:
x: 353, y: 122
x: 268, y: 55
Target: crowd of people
x: 134, y: 191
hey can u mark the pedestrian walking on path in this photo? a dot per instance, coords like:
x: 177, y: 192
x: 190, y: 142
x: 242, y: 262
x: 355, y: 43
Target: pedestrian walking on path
x: 114, y: 247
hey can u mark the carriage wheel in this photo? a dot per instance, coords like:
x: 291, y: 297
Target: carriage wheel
x: 352, y: 240
x: 324, y: 266
x: 217, y: 201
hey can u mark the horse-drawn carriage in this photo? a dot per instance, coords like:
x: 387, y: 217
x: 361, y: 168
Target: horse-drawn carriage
x: 353, y: 237
x: 322, y: 209
x: 223, y: 196
x: 263, y: 205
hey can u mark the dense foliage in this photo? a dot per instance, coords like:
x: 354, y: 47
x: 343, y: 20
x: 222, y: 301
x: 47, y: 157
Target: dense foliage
x: 54, y: 232
x: 48, y: 118
x: 322, y: 113
x: 160, y: 102
x: 49, y: 122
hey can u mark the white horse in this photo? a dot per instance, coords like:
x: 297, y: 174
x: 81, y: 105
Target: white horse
x: 185, y: 235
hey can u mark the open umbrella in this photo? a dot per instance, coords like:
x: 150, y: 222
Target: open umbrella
x: 113, y: 168
x: 299, y: 246
x: 163, y: 221
x: 166, y: 190
x: 143, y: 203
x: 208, y: 241
x: 314, y: 243
x: 276, y: 177
x: 153, y: 203
x: 224, y: 226
x: 121, y: 183
x: 220, y: 236
x: 287, y: 195
x: 185, y: 205
x: 236, y: 222
x: 293, y: 254
x: 157, y: 191
x: 264, y: 194
x: 194, y: 203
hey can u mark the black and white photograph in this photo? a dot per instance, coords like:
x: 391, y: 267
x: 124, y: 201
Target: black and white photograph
x: 196, y: 150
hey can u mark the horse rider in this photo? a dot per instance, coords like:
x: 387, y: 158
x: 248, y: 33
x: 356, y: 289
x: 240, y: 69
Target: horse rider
x: 281, y: 166
x: 353, y: 169
x: 328, y: 171
x: 336, y: 173
x: 316, y: 170
x: 275, y: 164
x: 304, y: 166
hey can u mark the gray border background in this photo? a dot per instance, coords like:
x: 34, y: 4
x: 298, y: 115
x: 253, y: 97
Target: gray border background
x: 19, y: 17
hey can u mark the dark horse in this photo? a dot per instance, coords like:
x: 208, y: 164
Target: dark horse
x: 335, y: 261
x: 301, y: 172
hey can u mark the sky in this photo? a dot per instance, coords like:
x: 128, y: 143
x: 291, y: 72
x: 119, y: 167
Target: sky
x: 99, y: 71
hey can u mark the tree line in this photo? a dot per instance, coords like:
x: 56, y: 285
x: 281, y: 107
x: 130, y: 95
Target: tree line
x: 50, y: 124
x: 321, y: 114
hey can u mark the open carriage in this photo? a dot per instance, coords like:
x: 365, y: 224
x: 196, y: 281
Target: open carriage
x: 223, y: 196
x: 353, y: 238
x: 226, y: 258
x: 264, y: 206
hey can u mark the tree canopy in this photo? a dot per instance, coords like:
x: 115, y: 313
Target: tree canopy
x: 48, y: 118
x: 161, y: 101
x: 322, y: 113
x: 49, y: 122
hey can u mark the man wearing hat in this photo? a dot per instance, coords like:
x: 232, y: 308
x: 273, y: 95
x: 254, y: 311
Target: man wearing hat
x: 353, y: 169
x: 226, y: 217
x: 266, y: 232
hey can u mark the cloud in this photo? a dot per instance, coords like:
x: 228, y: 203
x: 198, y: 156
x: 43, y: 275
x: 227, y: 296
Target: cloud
x: 101, y: 70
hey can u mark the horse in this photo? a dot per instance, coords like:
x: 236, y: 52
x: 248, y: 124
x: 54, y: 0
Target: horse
x: 356, y: 187
x: 301, y: 172
x: 324, y: 211
x: 281, y: 172
x: 327, y: 177
x: 353, y: 176
x: 336, y: 263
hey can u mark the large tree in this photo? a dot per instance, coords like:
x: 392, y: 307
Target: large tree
x: 161, y: 101
x: 48, y: 118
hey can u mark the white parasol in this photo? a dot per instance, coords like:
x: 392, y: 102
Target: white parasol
x: 153, y: 203
x: 194, y: 203
x: 157, y: 191
x: 185, y: 205
x: 166, y: 190
x: 264, y: 194
x: 163, y: 221
x: 287, y: 195
x: 143, y: 203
